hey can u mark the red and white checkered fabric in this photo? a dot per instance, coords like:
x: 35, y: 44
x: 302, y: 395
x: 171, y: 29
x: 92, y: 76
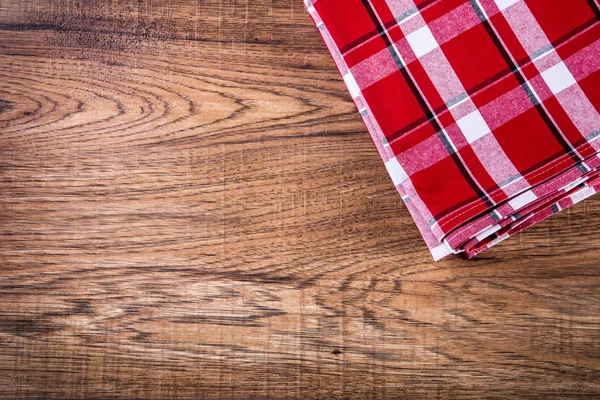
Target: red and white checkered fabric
x: 485, y: 112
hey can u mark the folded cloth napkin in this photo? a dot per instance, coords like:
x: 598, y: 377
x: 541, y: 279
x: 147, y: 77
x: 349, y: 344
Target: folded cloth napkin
x: 485, y: 112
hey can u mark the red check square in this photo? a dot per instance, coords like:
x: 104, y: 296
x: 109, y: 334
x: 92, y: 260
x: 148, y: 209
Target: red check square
x: 347, y: 21
x: 477, y: 62
x: 387, y: 97
x: 558, y: 17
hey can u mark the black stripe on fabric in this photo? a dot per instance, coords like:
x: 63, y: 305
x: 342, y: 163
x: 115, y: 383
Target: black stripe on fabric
x: 594, y: 8
x: 522, y: 81
x: 401, y: 66
x: 428, y: 112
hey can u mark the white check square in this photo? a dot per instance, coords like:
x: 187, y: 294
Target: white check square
x: 522, y: 200
x: 504, y: 4
x: 422, y: 41
x: 309, y: 6
x: 558, y: 78
x: 396, y: 171
x: 473, y: 126
x: 441, y: 251
x: 352, y: 85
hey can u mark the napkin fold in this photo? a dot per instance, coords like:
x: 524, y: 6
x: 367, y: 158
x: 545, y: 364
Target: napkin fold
x: 485, y: 112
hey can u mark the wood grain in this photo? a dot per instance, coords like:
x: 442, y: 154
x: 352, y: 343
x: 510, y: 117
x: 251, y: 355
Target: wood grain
x: 190, y: 207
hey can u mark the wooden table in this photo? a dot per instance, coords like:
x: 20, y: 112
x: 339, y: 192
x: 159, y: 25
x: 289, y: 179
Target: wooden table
x: 190, y: 207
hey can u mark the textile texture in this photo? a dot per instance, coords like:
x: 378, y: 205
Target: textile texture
x: 485, y: 112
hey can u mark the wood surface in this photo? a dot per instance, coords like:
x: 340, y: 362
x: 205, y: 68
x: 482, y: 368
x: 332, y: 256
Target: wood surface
x: 191, y: 207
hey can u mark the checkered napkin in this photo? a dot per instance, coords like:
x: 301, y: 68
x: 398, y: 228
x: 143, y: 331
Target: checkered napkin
x: 485, y: 112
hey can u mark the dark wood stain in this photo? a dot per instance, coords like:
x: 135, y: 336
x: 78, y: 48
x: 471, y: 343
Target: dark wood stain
x: 190, y: 207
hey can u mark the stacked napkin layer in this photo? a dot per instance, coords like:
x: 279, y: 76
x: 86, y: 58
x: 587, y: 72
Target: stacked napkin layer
x: 485, y: 112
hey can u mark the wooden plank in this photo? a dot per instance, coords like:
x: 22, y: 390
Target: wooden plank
x: 190, y: 206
